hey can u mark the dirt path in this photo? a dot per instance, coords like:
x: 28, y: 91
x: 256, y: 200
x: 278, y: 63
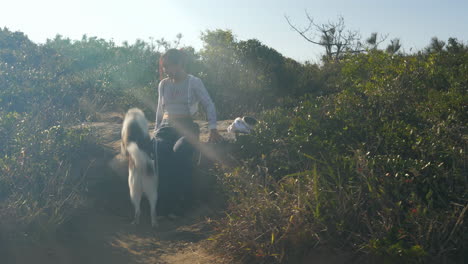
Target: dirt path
x: 102, y: 232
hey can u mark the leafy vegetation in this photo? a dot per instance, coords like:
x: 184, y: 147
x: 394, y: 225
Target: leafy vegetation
x: 377, y: 167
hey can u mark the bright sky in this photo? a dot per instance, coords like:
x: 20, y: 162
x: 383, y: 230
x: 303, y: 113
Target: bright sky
x: 415, y: 22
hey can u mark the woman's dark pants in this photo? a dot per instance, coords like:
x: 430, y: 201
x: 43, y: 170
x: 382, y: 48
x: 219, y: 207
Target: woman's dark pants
x: 174, y: 143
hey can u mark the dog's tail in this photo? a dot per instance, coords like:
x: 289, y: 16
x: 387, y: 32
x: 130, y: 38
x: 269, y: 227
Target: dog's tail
x: 140, y: 159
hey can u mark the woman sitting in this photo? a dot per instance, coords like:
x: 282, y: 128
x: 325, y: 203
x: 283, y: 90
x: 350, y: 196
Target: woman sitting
x: 176, y: 135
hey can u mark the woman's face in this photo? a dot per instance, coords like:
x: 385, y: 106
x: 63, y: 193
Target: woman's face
x: 172, y: 70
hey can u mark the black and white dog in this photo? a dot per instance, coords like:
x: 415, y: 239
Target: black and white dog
x: 142, y: 177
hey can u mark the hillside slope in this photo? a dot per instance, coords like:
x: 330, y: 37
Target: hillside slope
x: 101, y: 231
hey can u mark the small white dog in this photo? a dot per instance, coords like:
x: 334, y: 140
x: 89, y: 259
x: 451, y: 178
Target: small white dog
x: 243, y: 125
x: 142, y: 176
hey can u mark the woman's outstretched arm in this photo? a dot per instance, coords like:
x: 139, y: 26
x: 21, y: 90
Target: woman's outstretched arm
x: 206, y: 101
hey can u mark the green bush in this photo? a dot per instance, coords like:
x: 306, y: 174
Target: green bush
x: 39, y: 191
x: 79, y: 77
x: 377, y: 167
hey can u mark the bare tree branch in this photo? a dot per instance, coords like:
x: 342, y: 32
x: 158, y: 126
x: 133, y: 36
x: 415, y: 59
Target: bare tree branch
x: 334, y: 37
x: 302, y: 32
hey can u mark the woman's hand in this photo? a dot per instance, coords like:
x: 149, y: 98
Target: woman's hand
x: 215, y: 137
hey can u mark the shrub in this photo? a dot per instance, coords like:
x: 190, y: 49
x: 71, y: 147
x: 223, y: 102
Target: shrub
x: 39, y: 190
x: 377, y: 168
